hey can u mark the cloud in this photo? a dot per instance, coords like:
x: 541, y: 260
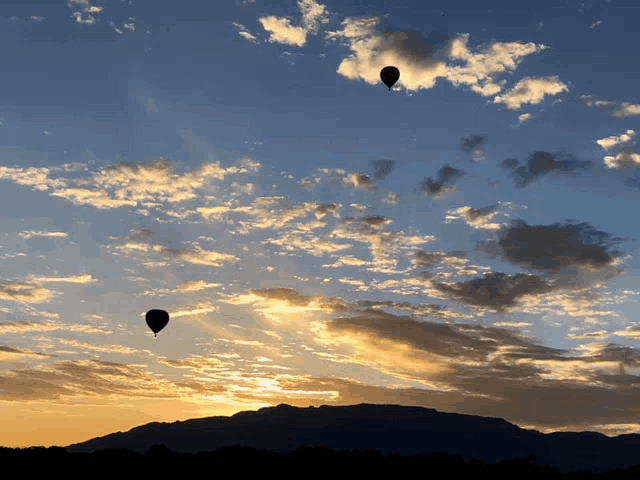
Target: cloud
x: 417, y: 61
x: 126, y: 184
x: 323, y: 209
x: 456, y: 356
x: 184, y: 287
x: 291, y: 296
x: 615, y: 109
x: 346, y: 261
x: 192, y: 310
x: 282, y: 31
x: 382, y: 168
x: 595, y: 24
x: 37, y: 178
x: 24, y: 292
x: 33, y: 233
x: 442, y: 186
x: 66, y: 378
x: 83, y: 11
x: 622, y: 159
x: 70, y: 167
x: 199, y: 256
x: 382, y: 244
x: 531, y: 90
x: 495, y: 290
x: 311, y: 244
x: 479, y: 218
x: 474, y: 145
x: 429, y: 262
x: 626, y: 110
x: 283, y: 305
x: 155, y: 181
x: 358, y: 180
x: 616, y: 141
x: 80, y: 279
x: 473, y: 142
x: 554, y: 248
x: 542, y: 163
x: 279, y: 218
x: 391, y: 198
x: 624, y: 155
x: 375, y: 221
x: 358, y: 207
x: 95, y: 198
x: 524, y: 118
x: 195, y: 256
x: 129, y: 24
x: 244, y: 32
x: 422, y: 62
x: 313, y: 13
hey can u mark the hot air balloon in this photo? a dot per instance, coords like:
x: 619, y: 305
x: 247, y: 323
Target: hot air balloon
x: 389, y: 76
x: 157, y: 320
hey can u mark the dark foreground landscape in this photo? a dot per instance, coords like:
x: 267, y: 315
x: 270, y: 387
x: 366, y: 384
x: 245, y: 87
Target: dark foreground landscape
x: 364, y: 439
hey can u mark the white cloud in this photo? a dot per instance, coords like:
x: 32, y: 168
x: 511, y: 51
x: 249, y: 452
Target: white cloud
x: 33, y: 233
x: 622, y: 159
x: 82, y: 10
x: 624, y: 109
x: 524, y: 117
x: 282, y: 31
x: 127, y: 184
x: 37, y: 178
x: 248, y: 36
x: 614, y: 141
x: 405, y: 50
x: 313, y: 13
x: 242, y: 31
x: 531, y: 90
x: 624, y: 145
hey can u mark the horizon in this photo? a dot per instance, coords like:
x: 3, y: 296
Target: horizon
x: 463, y: 241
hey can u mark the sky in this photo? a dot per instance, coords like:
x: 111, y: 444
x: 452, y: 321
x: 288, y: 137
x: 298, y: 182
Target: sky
x: 464, y: 242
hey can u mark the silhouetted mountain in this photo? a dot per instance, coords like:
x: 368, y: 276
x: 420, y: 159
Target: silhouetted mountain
x: 388, y: 428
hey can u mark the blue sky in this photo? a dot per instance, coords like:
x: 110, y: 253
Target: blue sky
x: 465, y: 241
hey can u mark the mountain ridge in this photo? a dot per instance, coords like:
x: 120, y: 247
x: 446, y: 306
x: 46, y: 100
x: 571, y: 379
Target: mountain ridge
x: 390, y: 428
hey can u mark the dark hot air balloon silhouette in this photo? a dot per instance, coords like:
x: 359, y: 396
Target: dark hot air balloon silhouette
x: 157, y: 320
x: 389, y: 76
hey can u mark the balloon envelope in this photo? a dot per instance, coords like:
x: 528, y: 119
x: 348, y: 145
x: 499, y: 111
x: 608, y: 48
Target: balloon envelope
x: 157, y: 320
x: 389, y: 76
